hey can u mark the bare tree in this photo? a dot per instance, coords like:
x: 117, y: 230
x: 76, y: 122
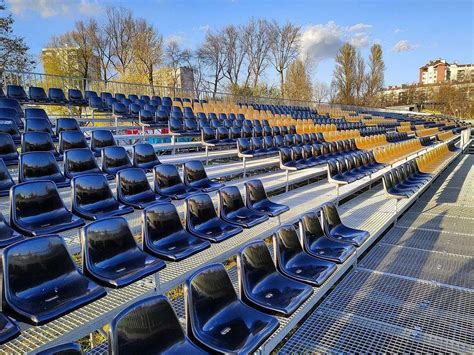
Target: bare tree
x: 321, y: 92
x: 120, y: 32
x: 235, y: 53
x: 284, y: 46
x: 344, y: 74
x: 103, y: 51
x: 257, y: 45
x: 213, y: 56
x: 147, y: 49
x: 174, y: 57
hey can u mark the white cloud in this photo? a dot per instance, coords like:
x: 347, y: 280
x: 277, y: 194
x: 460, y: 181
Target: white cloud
x: 92, y: 7
x: 359, y: 27
x: 204, y: 28
x: 403, y: 46
x: 398, y: 30
x: 179, y: 39
x: 360, y: 40
x: 319, y: 42
x: 50, y: 8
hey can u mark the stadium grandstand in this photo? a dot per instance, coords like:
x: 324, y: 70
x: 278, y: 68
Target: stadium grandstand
x: 137, y: 220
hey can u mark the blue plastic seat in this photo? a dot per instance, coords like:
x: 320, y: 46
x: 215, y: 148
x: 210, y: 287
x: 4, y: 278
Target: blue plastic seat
x: 163, y: 234
x: 37, y: 209
x: 134, y: 190
x: 37, y: 94
x: 334, y: 228
x: 195, y: 176
x: 316, y: 243
x: 144, y: 156
x: 33, y: 112
x: 57, y: 96
x: 217, y: 320
x: 35, y: 166
x: 101, y: 138
x: 8, y: 150
x: 293, y: 262
x: 79, y: 162
x: 263, y: 287
x: 202, y: 220
x: 256, y: 199
x: 92, y: 198
x: 75, y: 97
x: 149, y: 326
x: 115, y: 159
x: 38, y: 142
x: 167, y: 182
x: 16, y: 92
x: 111, y: 256
x: 41, y: 282
x: 71, y: 140
x: 66, y: 124
x: 233, y: 210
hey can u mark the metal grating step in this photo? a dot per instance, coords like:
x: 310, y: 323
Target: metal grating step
x: 448, y: 269
x: 437, y: 222
x: 334, y: 332
x: 452, y: 243
x: 436, y: 311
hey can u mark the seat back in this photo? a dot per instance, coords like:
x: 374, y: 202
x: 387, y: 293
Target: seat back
x: 199, y: 209
x: 131, y: 182
x: 34, y: 264
x: 56, y: 94
x: 285, y: 156
x: 37, y: 165
x: 16, y: 92
x: 38, y: 125
x: 286, y: 243
x: 166, y: 175
x: 144, y: 156
x: 115, y: 158
x: 101, y: 138
x: 37, y: 94
x: 230, y: 200
x: 37, y: 141
x: 147, y: 324
x: 310, y: 227
x: 105, y: 239
x: 90, y: 189
x: 193, y: 171
x: 330, y: 217
x: 79, y: 161
x: 75, y: 95
x: 208, y: 134
x: 31, y: 199
x: 146, y: 116
x: 66, y: 124
x: 254, y: 264
x: 207, y: 292
x: 254, y: 192
x: 35, y: 113
x: 222, y: 134
x: 160, y: 221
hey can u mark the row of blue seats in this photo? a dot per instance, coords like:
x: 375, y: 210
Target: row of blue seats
x: 405, y: 180
x: 209, y: 293
x: 350, y: 168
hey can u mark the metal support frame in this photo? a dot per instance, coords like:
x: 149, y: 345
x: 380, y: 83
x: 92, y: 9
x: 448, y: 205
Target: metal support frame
x: 244, y: 162
x: 287, y: 178
x: 207, y: 154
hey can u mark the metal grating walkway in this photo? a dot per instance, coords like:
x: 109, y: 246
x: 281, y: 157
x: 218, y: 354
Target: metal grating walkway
x: 414, y: 291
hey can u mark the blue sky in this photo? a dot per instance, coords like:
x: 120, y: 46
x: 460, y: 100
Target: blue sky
x: 411, y: 32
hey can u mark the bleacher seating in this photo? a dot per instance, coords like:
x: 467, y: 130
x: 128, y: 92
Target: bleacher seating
x: 126, y: 151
